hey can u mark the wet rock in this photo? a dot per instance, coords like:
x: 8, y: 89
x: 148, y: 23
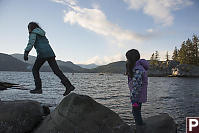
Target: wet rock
x: 81, y: 114
x: 162, y: 123
x: 5, y: 85
x: 19, y: 116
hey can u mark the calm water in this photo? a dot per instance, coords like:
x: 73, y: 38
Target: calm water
x: 179, y: 97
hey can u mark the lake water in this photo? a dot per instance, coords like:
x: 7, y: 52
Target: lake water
x: 179, y: 97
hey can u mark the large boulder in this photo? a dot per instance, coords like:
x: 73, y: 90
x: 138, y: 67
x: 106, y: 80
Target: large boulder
x: 162, y: 123
x: 19, y: 116
x: 81, y: 114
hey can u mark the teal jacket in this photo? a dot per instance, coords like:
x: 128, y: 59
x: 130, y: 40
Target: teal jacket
x: 38, y: 39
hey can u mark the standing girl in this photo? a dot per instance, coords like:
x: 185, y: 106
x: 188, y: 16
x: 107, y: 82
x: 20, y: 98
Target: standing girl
x: 45, y: 53
x: 137, y: 82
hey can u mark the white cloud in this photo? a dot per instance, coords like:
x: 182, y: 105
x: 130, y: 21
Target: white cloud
x: 66, y: 2
x: 104, y: 60
x: 95, y: 20
x: 160, y: 10
x: 150, y: 30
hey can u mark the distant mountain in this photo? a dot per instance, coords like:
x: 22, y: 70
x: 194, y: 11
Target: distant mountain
x: 89, y: 66
x: 31, y: 59
x: 67, y: 66
x: 15, y: 62
x: 9, y: 63
x: 71, y: 65
x: 115, y: 67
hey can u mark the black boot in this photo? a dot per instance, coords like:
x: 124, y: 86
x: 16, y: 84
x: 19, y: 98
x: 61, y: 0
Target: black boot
x: 69, y: 87
x: 68, y: 90
x: 37, y: 89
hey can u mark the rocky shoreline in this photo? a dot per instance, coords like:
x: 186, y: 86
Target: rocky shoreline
x: 75, y: 114
x: 182, y: 70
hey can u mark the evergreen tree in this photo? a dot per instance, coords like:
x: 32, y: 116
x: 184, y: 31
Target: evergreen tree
x: 167, y: 56
x: 183, y: 54
x: 152, y: 59
x: 175, y: 54
x: 195, y: 42
x: 190, y: 52
x: 157, y: 56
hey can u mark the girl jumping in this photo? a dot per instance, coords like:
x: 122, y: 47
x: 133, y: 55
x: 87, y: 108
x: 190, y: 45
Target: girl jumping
x: 45, y: 53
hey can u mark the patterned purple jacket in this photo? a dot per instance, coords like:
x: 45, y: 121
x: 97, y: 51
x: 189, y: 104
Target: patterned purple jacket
x: 138, y: 84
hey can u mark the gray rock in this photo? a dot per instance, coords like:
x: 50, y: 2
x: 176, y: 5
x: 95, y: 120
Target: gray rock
x: 81, y: 114
x: 162, y: 123
x: 19, y: 116
x: 6, y: 85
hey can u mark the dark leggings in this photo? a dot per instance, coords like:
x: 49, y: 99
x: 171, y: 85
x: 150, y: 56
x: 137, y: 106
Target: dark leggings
x: 137, y: 114
x: 53, y: 64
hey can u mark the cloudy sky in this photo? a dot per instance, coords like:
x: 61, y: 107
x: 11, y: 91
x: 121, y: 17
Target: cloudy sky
x: 99, y: 31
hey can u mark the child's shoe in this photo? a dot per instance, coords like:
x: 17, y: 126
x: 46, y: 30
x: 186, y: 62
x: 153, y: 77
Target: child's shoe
x: 68, y: 90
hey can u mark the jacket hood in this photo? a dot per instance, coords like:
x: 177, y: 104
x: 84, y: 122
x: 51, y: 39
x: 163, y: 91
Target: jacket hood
x: 142, y: 62
x: 39, y: 31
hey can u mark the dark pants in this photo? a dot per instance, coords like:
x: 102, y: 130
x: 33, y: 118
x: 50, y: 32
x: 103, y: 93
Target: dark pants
x: 53, y: 64
x: 137, y: 114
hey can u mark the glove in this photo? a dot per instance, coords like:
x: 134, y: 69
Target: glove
x: 26, y: 55
x: 135, y: 105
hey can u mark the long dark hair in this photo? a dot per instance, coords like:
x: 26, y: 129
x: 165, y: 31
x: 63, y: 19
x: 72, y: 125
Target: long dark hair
x: 32, y: 26
x: 132, y: 56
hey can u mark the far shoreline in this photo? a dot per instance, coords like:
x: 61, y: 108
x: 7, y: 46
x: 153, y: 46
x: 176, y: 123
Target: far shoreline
x: 169, y: 76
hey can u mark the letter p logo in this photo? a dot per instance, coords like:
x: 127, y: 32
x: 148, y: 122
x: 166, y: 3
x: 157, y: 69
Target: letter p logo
x: 192, y: 124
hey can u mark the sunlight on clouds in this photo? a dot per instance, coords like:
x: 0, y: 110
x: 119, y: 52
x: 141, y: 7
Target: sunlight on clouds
x: 66, y: 2
x: 160, y: 10
x: 95, y: 20
x: 104, y: 60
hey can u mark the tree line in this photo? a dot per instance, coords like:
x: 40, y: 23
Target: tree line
x: 188, y: 53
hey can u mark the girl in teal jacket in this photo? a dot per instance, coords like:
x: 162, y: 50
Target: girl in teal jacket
x: 38, y: 40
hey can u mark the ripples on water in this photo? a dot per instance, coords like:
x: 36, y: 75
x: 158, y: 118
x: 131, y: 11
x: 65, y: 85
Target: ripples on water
x: 176, y: 96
